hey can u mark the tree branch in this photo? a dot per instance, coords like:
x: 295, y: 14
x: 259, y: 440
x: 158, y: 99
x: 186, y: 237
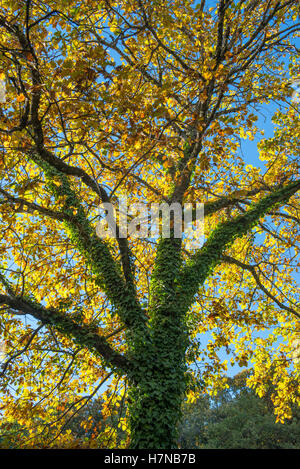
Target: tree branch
x: 83, y: 335
x: 251, y: 269
x: 202, y: 263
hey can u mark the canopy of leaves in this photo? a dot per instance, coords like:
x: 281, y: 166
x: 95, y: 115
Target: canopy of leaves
x: 148, y: 99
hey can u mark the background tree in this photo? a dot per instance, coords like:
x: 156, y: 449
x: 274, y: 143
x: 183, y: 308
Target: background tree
x: 237, y: 418
x: 149, y: 99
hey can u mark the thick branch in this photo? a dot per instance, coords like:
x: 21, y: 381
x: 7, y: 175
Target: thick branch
x: 209, y: 256
x: 84, y: 335
x: 32, y: 206
x: 49, y: 157
x: 214, y: 206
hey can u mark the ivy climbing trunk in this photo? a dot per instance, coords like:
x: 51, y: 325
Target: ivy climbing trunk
x: 156, y: 396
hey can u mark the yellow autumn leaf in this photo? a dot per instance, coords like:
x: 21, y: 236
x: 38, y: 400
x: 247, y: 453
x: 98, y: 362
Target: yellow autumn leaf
x: 20, y: 98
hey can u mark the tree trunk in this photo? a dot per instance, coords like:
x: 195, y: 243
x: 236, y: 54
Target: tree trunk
x: 156, y: 397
